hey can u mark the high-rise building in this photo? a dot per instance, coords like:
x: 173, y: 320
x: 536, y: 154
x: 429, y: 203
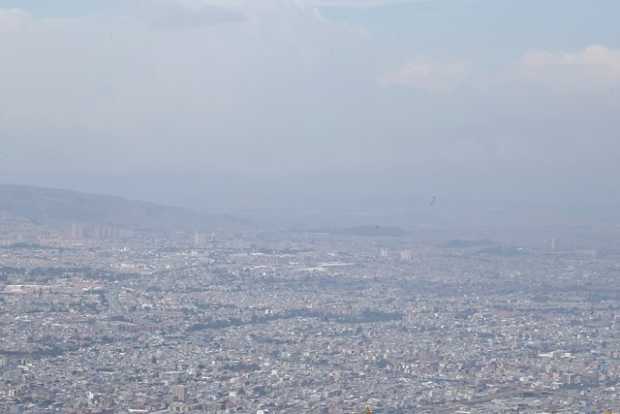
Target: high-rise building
x: 406, y: 255
x: 178, y: 393
x: 76, y: 231
x: 200, y: 239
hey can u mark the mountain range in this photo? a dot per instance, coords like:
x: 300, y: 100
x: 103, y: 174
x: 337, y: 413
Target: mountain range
x: 55, y: 207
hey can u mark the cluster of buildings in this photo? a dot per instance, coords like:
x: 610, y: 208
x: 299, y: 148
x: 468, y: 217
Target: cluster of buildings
x: 292, y: 322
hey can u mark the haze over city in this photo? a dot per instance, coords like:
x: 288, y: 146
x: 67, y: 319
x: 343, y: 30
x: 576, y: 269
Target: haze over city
x: 238, y: 104
x: 309, y: 206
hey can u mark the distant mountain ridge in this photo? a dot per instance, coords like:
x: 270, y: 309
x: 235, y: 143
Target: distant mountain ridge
x: 59, y: 207
x: 364, y: 231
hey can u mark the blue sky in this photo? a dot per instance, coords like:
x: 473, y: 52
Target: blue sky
x: 63, y: 8
x: 498, y: 27
x: 454, y: 24
x: 442, y: 93
x: 494, y: 24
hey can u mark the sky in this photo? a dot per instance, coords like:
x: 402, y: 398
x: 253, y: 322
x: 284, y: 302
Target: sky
x: 295, y: 104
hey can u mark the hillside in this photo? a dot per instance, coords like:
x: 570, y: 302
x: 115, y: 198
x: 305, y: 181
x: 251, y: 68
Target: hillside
x: 60, y: 207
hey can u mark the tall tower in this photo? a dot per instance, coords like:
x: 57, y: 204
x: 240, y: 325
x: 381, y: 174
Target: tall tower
x: 178, y: 393
x: 197, y: 239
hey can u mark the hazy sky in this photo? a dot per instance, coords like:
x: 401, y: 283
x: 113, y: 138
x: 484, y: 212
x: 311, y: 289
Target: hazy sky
x: 258, y: 102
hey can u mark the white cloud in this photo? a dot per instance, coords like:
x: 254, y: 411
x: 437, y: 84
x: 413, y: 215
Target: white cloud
x: 94, y: 83
x: 13, y: 19
x: 183, y: 18
x: 281, y: 90
x: 427, y: 74
x: 593, y: 68
x: 302, y: 3
x: 183, y: 14
x: 360, y: 3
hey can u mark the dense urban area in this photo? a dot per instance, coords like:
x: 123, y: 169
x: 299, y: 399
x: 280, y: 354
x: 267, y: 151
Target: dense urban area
x: 103, y: 320
x: 309, y: 206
